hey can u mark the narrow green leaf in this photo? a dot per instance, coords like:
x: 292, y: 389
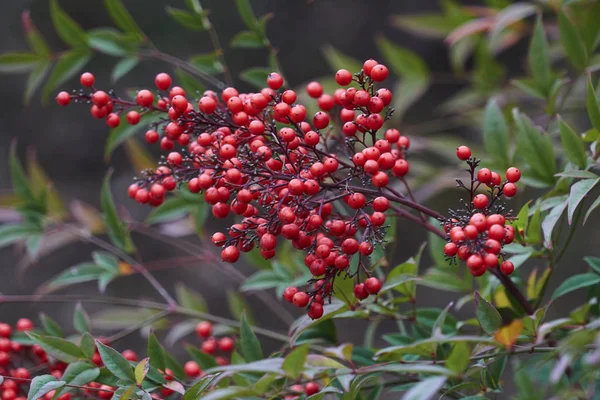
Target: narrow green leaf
x: 534, y: 231
x: 172, y: 209
x: 51, y: 327
x: 123, y: 67
x: 458, y: 360
x: 117, y: 231
x: 68, y: 30
x: 245, y: 10
x: 575, y: 282
x: 495, y: 134
x: 156, y: 352
x: 247, y: 39
x: 35, y: 40
x: 550, y: 221
x: 81, y: 319
x: 209, y: 63
x: 294, y: 362
x: 141, y: 370
x: 19, y: 62
x: 87, y: 345
x: 536, y: 148
x: 122, y: 18
x: 68, y: 65
x: 262, y: 280
x: 579, y: 191
x: 118, y: 135
x: 538, y: 59
x: 425, y: 389
x: 189, y: 20
x: 489, y: 318
x: 338, y: 60
x: 508, y: 16
x: 572, y: 145
x: 42, y: 385
x: 108, y: 41
x: 572, y: 42
x: 190, y: 299
x: 593, y: 262
x: 250, y: 345
x: 35, y: 79
x: 115, y: 362
x: 78, y: 373
x: 10, y: 234
x: 204, y: 360
x: 58, y: 348
x: 594, y: 205
x: 593, y: 105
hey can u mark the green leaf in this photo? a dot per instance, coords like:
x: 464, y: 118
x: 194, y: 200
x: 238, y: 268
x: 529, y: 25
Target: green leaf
x: 125, y: 131
x: 81, y: 319
x: 43, y: 384
x: 489, y: 318
x: 458, y: 360
x: 572, y: 145
x: 250, y: 345
x: 575, y: 282
x: 245, y: 10
x: 579, y: 174
x: 115, y: 362
x: 508, y: 16
x: 156, y: 352
x: 87, y: 345
x: 109, y: 41
x: 256, y: 76
x: 294, y: 362
x: 579, y: 191
x: 68, y: 65
x: 593, y: 105
x: 190, y: 299
x: 538, y: 59
x: 35, y: 40
x: 536, y: 148
x: 35, y: 79
x: 204, y: 360
x: 78, y: 373
x: 189, y: 20
x: 172, y: 209
x: 51, y: 327
x: 593, y: 262
x: 594, y: 205
x: 247, y: 39
x: 141, y: 370
x: 534, y: 231
x: 238, y: 307
x: 495, y: 134
x: 10, y: 234
x: 191, y: 85
x: 412, y: 70
x: 550, y: 221
x: 19, y: 62
x: 123, y: 67
x: 61, y: 349
x: 426, y: 389
x: 68, y: 30
x: 121, y: 17
x: 117, y: 230
x: 572, y: 43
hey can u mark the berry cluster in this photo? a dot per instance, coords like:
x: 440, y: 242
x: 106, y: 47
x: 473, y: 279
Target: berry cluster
x: 477, y: 233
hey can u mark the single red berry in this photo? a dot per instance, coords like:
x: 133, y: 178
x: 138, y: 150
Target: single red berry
x: 496, y: 179
x: 113, y: 120
x: 368, y: 66
x: 314, y: 90
x: 133, y: 117
x: 316, y: 310
x: 379, y: 73
x: 63, y: 99
x: 130, y: 355
x: 300, y: 299
x: 450, y: 249
x: 400, y: 168
x: 475, y: 262
x: 288, y: 293
x: 510, y: 189
x: 100, y: 98
x: 226, y: 344
x: 162, y: 81
x: 192, y: 369
x: 490, y: 260
x: 5, y: 330
x: 360, y: 291
x: 87, y: 79
x: 343, y: 77
x: 513, y: 174
x: 230, y: 254
x: 207, y: 105
x: 321, y: 120
x: 204, y: 329
x: 274, y: 80
x: 326, y: 102
x: 151, y: 136
x: 311, y: 388
x: 463, y: 153
x: 484, y: 175
x: 144, y: 98
x: 24, y: 324
x: 372, y: 285
x: 496, y: 232
x: 380, y: 204
x: 507, y: 267
x: 480, y: 201
x: 471, y: 232
x: 479, y: 221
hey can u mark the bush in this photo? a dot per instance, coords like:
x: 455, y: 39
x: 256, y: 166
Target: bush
x: 317, y: 178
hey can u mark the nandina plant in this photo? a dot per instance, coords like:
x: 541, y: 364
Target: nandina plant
x: 312, y: 182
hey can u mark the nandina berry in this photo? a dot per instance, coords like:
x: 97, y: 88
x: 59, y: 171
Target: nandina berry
x: 24, y: 324
x: 380, y: 204
x: 360, y: 292
x: 274, y: 80
x: 450, y: 249
x: 230, y: 254
x: 300, y: 299
x: 314, y: 90
x: 356, y: 200
x: 507, y: 267
x: 368, y: 66
x: 226, y: 344
x: 87, y: 79
x: 400, y: 168
x: 343, y: 77
x: 204, y: 329
x: 176, y: 91
x: 311, y: 388
x: 289, y: 292
x: 100, y: 98
x: 316, y: 310
x: 496, y: 219
x: 63, y: 98
x: 513, y: 174
x: 151, y: 136
x: 192, y: 369
x: 209, y: 346
x: 457, y: 235
x: 130, y: 355
x: 162, y: 81
x: 509, y: 234
x: 22, y: 373
x: 113, y: 120
x: 492, y: 246
x: 475, y: 262
x: 496, y: 232
x: 207, y: 105
x: 490, y: 260
x: 372, y: 285
x: 144, y: 98
x: 320, y: 120
x: 385, y: 95
x: 484, y: 175
x: 268, y: 241
x: 463, y: 153
x: 480, y: 201
x: 379, y: 73
x: 496, y: 179
x: 326, y: 102
x: 510, y: 189
x: 479, y: 221
x: 133, y: 117
x: 471, y: 232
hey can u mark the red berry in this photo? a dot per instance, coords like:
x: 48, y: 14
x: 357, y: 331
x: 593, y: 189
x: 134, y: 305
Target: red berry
x: 360, y: 291
x: 484, y: 175
x: 151, y: 136
x: 162, y: 81
x: 207, y: 105
x: 144, y: 98
x: 475, y: 262
x: 24, y: 324
x: 513, y: 174
x: 372, y: 285
x: 450, y: 249
x: 507, y: 267
x: 510, y: 189
x: 130, y: 355
x: 480, y: 201
x: 230, y: 254
x: 496, y: 232
x: 343, y: 77
x: 490, y: 260
x: 300, y: 299
x: 321, y: 120
x: 100, y: 98
x: 314, y: 90
x: 316, y: 310
x: 463, y: 153
x: 87, y: 79
x: 288, y: 293
x: 113, y: 120
x: 311, y: 388
x: 5, y: 330
x: 479, y: 221
x: 381, y: 204
x: 274, y: 80
x: 226, y: 344
x: 400, y: 168
x: 379, y: 73
x: 63, y: 99
x: 204, y: 329
x: 192, y: 369
x: 209, y: 346
x: 133, y: 117
x: 368, y: 66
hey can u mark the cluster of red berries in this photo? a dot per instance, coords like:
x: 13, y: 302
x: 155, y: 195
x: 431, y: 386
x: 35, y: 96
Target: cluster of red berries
x: 258, y: 156
x: 478, y: 233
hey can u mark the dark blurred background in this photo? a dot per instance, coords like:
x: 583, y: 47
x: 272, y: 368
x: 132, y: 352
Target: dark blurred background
x: 70, y: 144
